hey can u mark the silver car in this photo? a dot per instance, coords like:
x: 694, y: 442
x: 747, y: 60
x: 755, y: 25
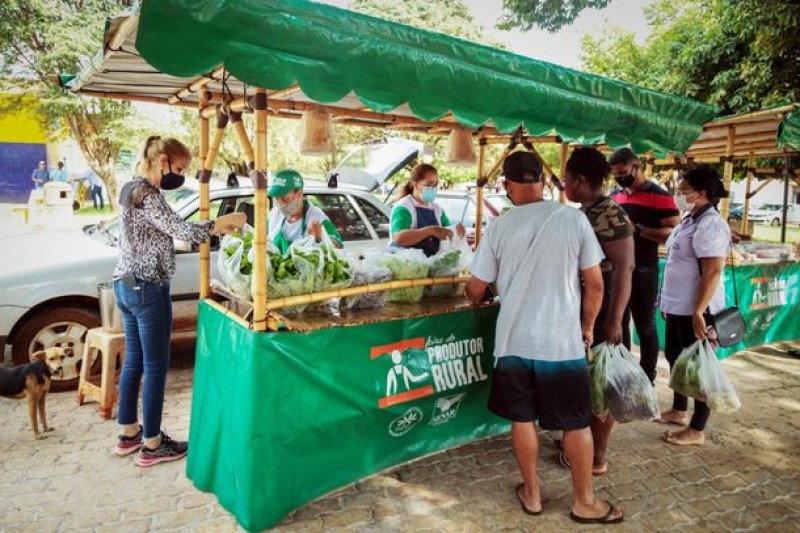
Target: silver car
x: 48, y: 278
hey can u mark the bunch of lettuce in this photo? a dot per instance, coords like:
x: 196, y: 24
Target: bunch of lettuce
x: 444, y: 265
x: 406, y: 264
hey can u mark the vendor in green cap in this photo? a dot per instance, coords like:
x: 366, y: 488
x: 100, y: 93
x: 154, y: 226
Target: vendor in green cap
x: 292, y: 217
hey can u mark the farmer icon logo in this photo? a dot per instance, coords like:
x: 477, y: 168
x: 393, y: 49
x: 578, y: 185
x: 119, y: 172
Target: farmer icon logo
x: 446, y: 409
x: 407, y: 358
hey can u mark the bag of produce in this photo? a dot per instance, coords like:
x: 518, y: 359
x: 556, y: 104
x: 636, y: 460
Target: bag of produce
x: 629, y: 394
x: 406, y: 263
x: 234, y: 262
x: 444, y: 264
x: 598, y: 379
x: 289, y: 275
x: 698, y: 373
x: 368, y: 270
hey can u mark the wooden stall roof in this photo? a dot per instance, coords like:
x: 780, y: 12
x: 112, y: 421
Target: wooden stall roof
x: 376, y: 73
x: 769, y: 132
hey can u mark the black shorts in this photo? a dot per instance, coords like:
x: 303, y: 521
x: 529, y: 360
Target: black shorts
x: 556, y: 393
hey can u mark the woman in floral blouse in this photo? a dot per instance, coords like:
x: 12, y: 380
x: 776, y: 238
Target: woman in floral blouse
x: 141, y: 286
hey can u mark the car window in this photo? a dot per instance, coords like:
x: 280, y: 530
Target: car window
x: 342, y: 214
x: 213, y: 212
x: 454, y: 207
x: 376, y: 217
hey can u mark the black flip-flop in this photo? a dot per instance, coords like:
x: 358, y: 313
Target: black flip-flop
x: 525, y: 508
x: 563, y: 461
x: 599, y: 519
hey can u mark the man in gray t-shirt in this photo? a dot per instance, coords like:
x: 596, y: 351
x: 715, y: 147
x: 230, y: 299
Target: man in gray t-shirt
x: 537, y: 254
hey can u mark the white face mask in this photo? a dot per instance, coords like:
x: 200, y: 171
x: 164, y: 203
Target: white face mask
x: 683, y: 205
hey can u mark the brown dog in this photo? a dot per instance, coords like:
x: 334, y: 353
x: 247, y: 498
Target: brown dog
x: 32, y: 381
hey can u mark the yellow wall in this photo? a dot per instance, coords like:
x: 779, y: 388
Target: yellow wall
x: 21, y: 126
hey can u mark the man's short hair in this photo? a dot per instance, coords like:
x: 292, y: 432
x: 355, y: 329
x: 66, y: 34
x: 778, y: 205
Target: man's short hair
x: 623, y: 156
x: 522, y: 167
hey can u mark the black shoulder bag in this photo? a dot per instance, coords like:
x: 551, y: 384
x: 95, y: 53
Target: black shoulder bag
x: 728, y: 323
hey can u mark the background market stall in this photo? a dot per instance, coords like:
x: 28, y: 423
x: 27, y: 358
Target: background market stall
x: 287, y: 410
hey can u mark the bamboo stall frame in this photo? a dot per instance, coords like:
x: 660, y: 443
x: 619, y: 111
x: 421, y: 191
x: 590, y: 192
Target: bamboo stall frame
x: 748, y: 185
x: 727, y: 173
x: 205, y: 247
x: 479, y: 207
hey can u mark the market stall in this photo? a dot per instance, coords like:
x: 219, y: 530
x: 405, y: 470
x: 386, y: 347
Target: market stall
x: 287, y: 407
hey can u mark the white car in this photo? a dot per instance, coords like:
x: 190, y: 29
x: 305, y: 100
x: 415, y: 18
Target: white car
x: 772, y: 214
x: 49, y: 278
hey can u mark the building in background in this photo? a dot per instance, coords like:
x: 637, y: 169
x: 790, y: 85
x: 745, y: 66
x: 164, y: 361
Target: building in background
x: 23, y: 143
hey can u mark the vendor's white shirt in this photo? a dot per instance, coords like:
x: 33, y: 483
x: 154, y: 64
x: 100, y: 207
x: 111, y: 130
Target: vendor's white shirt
x: 706, y: 236
x: 539, y: 287
x: 293, y: 231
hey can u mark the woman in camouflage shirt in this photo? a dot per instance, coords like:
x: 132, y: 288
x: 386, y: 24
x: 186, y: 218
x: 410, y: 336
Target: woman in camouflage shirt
x: 587, y: 170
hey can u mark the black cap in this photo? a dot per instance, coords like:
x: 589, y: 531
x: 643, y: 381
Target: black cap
x: 522, y: 167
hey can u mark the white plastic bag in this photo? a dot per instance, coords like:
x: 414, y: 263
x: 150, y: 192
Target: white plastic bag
x: 697, y: 373
x: 235, y: 262
x: 629, y: 395
x: 367, y: 271
x: 406, y: 263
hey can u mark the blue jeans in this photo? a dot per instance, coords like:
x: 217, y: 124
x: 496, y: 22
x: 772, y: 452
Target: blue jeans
x: 97, y: 196
x: 147, y: 320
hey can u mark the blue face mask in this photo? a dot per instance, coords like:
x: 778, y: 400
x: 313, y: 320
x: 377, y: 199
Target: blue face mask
x: 428, y: 194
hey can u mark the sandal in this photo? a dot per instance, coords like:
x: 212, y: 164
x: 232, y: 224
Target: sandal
x: 605, y: 519
x: 680, y: 420
x: 678, y: 440
x: 525, y: 508
x: 563, y: 461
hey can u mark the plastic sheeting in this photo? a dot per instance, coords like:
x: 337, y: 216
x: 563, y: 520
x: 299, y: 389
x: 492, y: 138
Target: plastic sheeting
x: 789, y: 132
x: 331, y: 52
x: 281, y: 418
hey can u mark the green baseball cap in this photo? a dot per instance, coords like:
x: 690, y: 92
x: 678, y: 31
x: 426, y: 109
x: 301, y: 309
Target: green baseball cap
x: 285, y: 181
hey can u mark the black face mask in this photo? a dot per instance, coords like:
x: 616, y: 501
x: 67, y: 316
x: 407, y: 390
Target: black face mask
x: 625, y: 181
x: 171, y: 180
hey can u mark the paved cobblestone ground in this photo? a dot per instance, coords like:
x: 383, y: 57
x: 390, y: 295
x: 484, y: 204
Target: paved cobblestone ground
x: 746, y: 477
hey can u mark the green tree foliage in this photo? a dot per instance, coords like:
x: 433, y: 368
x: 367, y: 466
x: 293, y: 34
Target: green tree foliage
x: 550, y: 15
x: 741, y: 55
x: 40, y: 39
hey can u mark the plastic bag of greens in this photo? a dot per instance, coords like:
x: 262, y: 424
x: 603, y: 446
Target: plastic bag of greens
x: 234, y: 262
x: 629, y: 394
x: 717, y: 388
x: 598, y: 379
x: 367, y: 271
x: 337, y: 267
x: 444, y: 264
x: 286, y: 279
x: 685, y: 375
x: 406, y: 263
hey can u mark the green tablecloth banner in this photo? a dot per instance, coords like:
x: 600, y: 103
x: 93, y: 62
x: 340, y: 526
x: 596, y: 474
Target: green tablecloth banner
x: 769, y: 297
x: 281, y: 418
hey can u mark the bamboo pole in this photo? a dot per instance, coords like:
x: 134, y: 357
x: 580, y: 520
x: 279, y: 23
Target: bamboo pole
x: 563, y: 168
x: 260, y: 294
x: 244, y: 142
x: 315, y: 297
x: 216, y: 141
x: 196, y: 85
x: 748, y: 185
x: 205, y: 247
x: 649, y: 167
x: 229, y: 313
x: 479, y: 215
x: 496, y: 166
x: 728, y: 171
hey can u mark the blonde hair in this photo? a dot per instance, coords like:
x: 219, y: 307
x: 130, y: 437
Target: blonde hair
x: 154, y: 146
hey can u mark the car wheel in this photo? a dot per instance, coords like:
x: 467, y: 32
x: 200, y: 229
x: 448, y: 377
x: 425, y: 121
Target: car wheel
x: 775, y: 222
x: 57, y: 327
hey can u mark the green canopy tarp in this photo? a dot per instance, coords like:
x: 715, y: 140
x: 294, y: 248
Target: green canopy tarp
x: 789, y: 132
x: 331, y: 52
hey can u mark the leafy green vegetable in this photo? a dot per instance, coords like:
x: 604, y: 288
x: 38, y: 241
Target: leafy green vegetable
x: 405, y: 267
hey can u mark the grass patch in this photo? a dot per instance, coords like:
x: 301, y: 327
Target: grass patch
x: 763, y: 232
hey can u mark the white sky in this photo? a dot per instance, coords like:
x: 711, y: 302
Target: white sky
x: 563, y: 47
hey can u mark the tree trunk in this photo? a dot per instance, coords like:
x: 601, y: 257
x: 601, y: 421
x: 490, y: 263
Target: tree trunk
x: 99, y: 153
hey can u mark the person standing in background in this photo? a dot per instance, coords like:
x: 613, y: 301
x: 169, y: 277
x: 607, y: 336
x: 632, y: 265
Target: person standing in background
x: 96, y: 185
x: 59, y: 174
x: 653, y: 213
x: 40, y: 175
